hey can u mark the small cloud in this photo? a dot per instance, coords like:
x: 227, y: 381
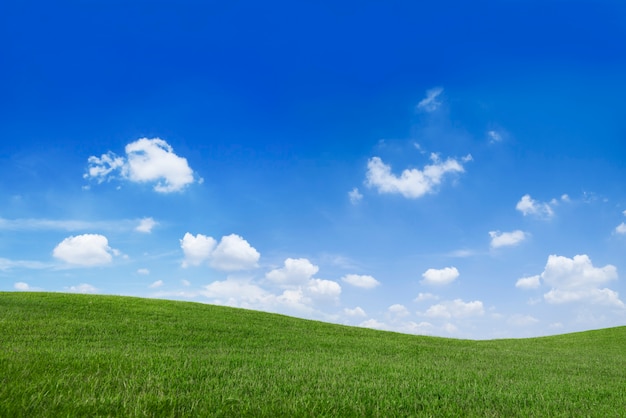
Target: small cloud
x: 528, y: 206
x: 440, y: 276
x: 412, y: 183
x: 295, y: 271
x: 146, y: 225
x: 362, y: 281
x: 143, y: 272
x: 355, y: 196
x: 355, y: 312
x: 565, y: 198
x: 25, y: 287
x: 425, y: 296
x: 320, y: 289
x: 455, y: 309
x: 430, y: 103
x: 156, y: 284
x: 185, y: 283
x: 398, y: 310
x: 621, y: 228
x: 85, y: 250
x: 494, y: 136
x: 532, y: 282
x: 82, y: 288
x: 147, y: 161
x: 231, y: 254
x: 372, y: 323
x: 505, y: 239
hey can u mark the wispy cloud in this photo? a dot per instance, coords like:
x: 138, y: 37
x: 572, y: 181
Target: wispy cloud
x: 362, y: 281
x: 431, y: 102
x: 355, y: 196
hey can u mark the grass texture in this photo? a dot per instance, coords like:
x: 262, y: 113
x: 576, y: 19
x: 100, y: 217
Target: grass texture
x: 84, y: 355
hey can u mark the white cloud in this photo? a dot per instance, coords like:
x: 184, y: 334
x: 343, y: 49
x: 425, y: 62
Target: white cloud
x: 295, y: 271
x: 355, y: 312
x: 146, y: 225
x: 425, y: 296
x: 363, y: 281
x: 575, y: 280
x: 528, y: 206
x: 185, y: 283
x: 494, y: 136
x: 455, y: 309
x: 398, y: 310
x: 504, y: 239
x: 147, y: 161
x: 320, y: 289
x: 196, y: 249
x: 440, y: 276
x: 532, y: 282
x: 234, y: 253
x: 85, y: 250
x: 372, y: 323
x: 144, y: 272
x: 25, y: 287
x: 355, y: 196
x: 621, y: 228
x: 431, y: 103
x: 412, y: 183
x: 237, y: 293
x: 156, y: 284
x: 82, y: 288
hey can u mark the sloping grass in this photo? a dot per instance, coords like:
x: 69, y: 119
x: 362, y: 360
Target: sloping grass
x: 79, y: 355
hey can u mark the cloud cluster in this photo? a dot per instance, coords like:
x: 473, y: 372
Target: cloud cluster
x: 231, y: 254
x: 455, y: 309
x: 412, y: 183
x: 528, y: 206
x: 147, y: 161
x: 575, y: 280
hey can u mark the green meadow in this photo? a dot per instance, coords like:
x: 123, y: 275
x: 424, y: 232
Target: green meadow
x: 83, y: 355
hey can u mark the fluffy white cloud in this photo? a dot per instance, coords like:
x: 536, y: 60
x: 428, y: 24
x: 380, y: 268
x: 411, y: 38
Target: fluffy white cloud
x: 355, y: 196
x: 295, y: 271
x: 398, y: 310
x: 412, y: 183
x: 156, y: 284
x: 147, y: 161
x: 504, y: 239
x: 238, y: 293
x: 528, y: 206
x: 373, y: 323
x: 575, y: 280
x: 85, y: 250
x: 456, y: 309
x: 234, y: 253
x: 196, y: 249
x: 532, y: 282
x: 82, y: 288
x: 355, y: 312
x: 440, y: 276
x: 621, y: 228
x: 363, y: 281
x: 431, y: 103
x: 231, y: 254
x: 25, y: 287
x: 146, y: 225
x: 320, y: 289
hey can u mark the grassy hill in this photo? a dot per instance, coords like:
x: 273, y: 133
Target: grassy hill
x: 79, y: 355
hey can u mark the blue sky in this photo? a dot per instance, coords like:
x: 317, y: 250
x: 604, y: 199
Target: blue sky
x: 445, y: 168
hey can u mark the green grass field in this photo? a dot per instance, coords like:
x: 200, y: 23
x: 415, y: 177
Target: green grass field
x: 80, y: 355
